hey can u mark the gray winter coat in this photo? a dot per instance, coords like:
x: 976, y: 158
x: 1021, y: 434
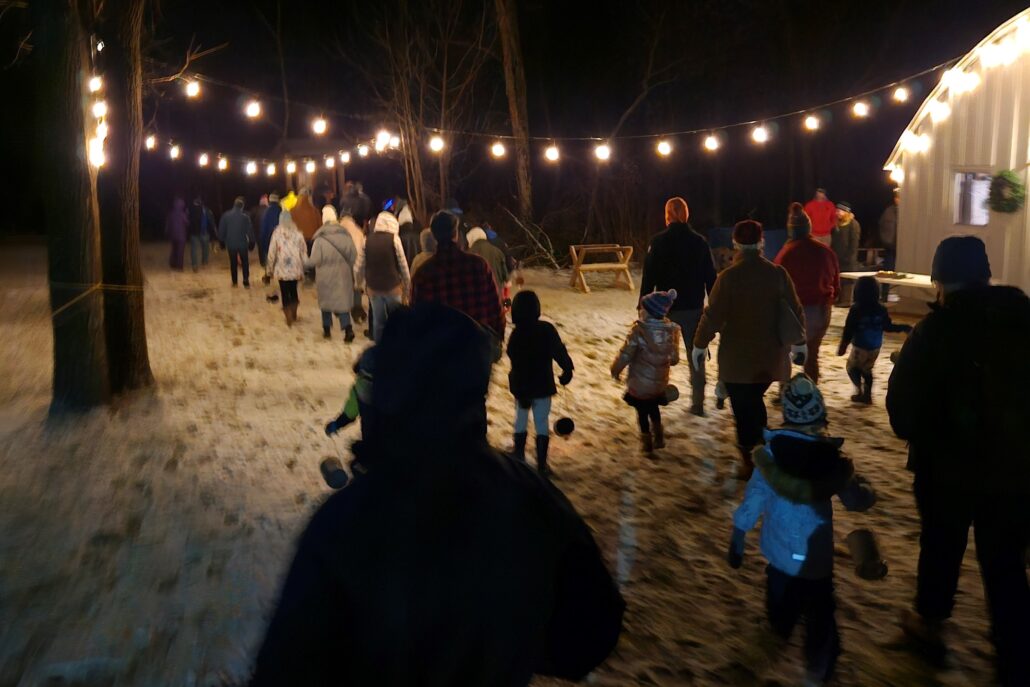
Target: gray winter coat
x: 333, y: 256
x: 235, y: 230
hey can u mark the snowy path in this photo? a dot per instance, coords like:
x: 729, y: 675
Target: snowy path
x: 143, y: 544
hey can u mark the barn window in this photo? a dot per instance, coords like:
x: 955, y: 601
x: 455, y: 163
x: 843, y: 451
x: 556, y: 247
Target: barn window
x: 971, y: 191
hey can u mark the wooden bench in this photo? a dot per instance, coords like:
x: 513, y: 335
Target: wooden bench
x: 620, y: 267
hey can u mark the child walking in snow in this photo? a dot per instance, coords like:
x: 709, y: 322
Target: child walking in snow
x: 533, y: 348
x: 799, y: 469
x: 357, y: 404
x: 867, y: 320
x: 651, y: 348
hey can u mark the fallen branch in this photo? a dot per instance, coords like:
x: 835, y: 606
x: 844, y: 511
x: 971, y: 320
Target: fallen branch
x: 543, y: 251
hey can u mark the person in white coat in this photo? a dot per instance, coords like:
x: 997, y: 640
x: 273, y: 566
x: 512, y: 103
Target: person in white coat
x: 285, y: 263
x: 333, y: 256
x: 383, y: 267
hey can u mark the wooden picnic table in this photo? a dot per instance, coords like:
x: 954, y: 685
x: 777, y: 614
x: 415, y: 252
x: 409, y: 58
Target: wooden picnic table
x: 918, y: 281
x: 620, y: 266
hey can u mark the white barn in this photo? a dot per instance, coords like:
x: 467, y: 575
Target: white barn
x: 974, y: 124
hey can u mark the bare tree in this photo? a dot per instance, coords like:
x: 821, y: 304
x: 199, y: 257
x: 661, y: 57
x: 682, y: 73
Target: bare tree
x: 515, y: 87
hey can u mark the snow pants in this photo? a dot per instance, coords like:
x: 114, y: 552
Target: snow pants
x: 788, y: 599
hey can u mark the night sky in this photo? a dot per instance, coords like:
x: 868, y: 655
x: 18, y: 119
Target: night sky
x: 729, y: 60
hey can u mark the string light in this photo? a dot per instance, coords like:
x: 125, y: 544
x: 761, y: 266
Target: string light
x: 897, y: 175
x: 95, y: 84
x: 309, y: 166
x: 939, y: 111
x: 203, y: 160
x: 291, y: 167
x: 552, y: 153
x: 270, y: 169
x: 382, y: 139
x: 603, y: 152
x: 711, y: 143
x: 251, y: 168
x: 436, y: 144
x: 150, y: 142
x: 959, y: 82
x: 330, y: 162
x: 912, y: 143
x: 760, y: 134
x: 664, y: 148
x: 344, y: 157
x: 102, y: 130
x: 192, y: 89
x: 812, y: 123
x: 223, y: 164
x: 363, y: 150
x: 395, y: 141
x: 253, y: 109
x: 96, y: 152
x: 901, y: 94
x: 498, y: 150
x: 174, y: 152
x: 860, y: 109
x: 99, y: 109
x: 319, y: 126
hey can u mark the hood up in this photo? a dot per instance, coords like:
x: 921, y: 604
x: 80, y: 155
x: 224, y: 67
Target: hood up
x: 801, y: 467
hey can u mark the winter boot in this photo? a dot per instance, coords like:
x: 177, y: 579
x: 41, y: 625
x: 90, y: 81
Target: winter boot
x: 698, y: 409
x: 542, y: 443
x: 286, y: 314
x: 326, y: 333
x: 646, y: 444
x: 348, y: 334
x: 747, y: 466
x: 856, y: 379
x: 659, y: 434
x: 924, y: 638
x: 519, y: 451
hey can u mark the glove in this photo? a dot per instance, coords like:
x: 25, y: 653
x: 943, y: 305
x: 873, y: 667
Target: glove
x: 735, y: 554
x: 697, y: 356
x: 799, y: 353
x: 331, y: 428
x: 565, y: 378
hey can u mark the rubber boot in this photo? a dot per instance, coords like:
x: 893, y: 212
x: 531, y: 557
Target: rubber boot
x: 519, y: 451
x: 348, y: 334
x: 659, y: 434
x: 326, y: 333
x: 542, y: 444
x: 747, y: 466
x: 646, y: 443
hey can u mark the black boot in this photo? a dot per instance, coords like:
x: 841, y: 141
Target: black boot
x: 542, y: 444
x: 348, y: 334
x: 519, y: 451
x: 326, y: 333
x: 659, y: 434
x: 747, y: 466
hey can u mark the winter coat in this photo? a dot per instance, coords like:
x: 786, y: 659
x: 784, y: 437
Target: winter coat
x: 257, y: 216
x: 177, y: 222
x: 235, y: 230
x: 679, y: 258
x: 307, y: 217
x: 797, y: 475
x: 201, y: 221
x: 381, y: 264
x: 651, y: 348
x: 865, y: 326
x: 286, y: 251
x: 333, y: 256
x: 533, y: 348
x: 889, y: 228
x: 744, y: 307
x: 268, y: 224
x: 479, y: 245
x: 823, y: 214
x: 408, y: 233
x: 813, y: 268
x: 844, y: 241
x: 958, y: 394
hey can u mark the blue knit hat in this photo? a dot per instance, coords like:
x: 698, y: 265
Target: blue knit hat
x: 961, y: 260
x: 657, y: 304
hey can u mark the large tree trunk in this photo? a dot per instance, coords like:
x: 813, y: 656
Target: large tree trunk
x: 515, y: 86
x: 127, y: 353
x: 71, y: 215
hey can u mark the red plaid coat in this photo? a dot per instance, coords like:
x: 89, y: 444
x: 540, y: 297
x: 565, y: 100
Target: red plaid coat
x: 462, y: 281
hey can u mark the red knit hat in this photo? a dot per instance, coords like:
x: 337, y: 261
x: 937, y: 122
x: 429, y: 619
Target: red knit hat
x: 747, y: 233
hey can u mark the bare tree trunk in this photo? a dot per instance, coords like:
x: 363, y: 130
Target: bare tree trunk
x: 124, y: 321
x: 71, y: 216
x: 515, y: 87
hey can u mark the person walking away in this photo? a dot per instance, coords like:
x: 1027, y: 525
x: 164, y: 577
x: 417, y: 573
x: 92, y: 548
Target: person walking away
x: 269, y: 221
x: 513, y: 265
x: 847, y: 235
x: 814, y: 270
x: 679, y: 259
x: 362, y: 206
x: 200, y: 226
x: 237, y: 233
x: 477, y: 569
x: 652, y: 347
x: 823, y: 214
x: 888, y: 230
x: 867, y: 320
x: 481, y: 246
x: 800, y: 469
x: 533, y: 348
x: 306, y: 216
x: 407, y: 231
x: 257, y: 214
x: 755, y: 308
x: 286, y: 254
x: 958, y: 396
x: 333, y: 257
x: 384, y: 270
x: 428, y: 244
x: 177, y: 231
x: 459, y: 280
x: 452, y: 206
x: 358, y: 313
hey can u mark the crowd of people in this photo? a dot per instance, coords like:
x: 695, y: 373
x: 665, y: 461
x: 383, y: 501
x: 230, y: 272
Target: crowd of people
x: 447, y: 561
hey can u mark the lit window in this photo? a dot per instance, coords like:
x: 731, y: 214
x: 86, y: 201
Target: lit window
x: 971, y: 191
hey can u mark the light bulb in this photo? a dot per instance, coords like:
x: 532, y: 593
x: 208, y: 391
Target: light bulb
x: 192, y: 89
x: 251, y: 168
x: 330, y: 162
x: 99, y: 109
x: 383, y: 138
x: 253, y: 109
x: 901, y: 94
x: 270, y: 169
x: 174, y: 152
x: 291, y: 167
x: 309, y: 166
x: 223, y: 164
x: 203, y: 160
x: 150, y: 142
x: 344, y: 157
x: 603, y: 152
x: 102, y: 130
x: 812, y: 123
x: 498, y: 149
x: 436, y: 144
x: 319, y: 126
x: 395, y: 141
x: 100, y: 46
x: 552, y: 153
x: 96, y: 152
x: 711, y: 143
x: 664, y: 148
x: 95, y: 84
x: 939, y: 110
x: 363, y: 150
x: 897, y: 175
x: 759, y: 134
x: 860, y: 109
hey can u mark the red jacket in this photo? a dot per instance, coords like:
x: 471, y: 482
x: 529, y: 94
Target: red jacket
x: 813, y: 268
x: 823, y: 214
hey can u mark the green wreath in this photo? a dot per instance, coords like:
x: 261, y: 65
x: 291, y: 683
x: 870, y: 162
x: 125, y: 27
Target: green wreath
x: 1008, y: 193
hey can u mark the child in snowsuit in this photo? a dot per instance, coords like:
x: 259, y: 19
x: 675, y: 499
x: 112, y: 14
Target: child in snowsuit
x: 532, y: 348
x: 651, y: 348
x: 867, y: 320
x: 800, y: 468
x: 358, y: 404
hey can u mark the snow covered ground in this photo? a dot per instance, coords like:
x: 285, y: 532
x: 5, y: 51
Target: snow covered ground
x: 142, y: 544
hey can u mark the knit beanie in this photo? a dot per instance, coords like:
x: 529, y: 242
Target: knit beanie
x: 844, y: 205
x: 525, y: 308
x: 747, y: 233
x: 961, y: 260
x: 474, y: 235
x: 799, y: 224
x: 803, y: 402
x: 676, y: 210
x: 657, y: 304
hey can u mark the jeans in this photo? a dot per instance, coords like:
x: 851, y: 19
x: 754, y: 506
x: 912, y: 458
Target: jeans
x: 817, y: 322
x: 200, y: 247
x: 381, y: 307
x: 288, y: 291
x: 327, y: 319
x: 687, y: 320
x: 1001, y: 525
x: 243, y: 256
x: 789, y: 598
x: 176, y: 256
x: 648, y: 413
x: 748, y: 403
x: 541, y: 408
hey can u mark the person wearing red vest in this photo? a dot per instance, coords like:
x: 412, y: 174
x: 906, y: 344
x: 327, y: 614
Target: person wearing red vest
x: 823, y: 215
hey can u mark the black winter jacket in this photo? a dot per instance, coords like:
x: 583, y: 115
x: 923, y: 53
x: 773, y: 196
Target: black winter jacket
x: 959, y: 393
x: 533, y: 349
x: 679, y: 258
